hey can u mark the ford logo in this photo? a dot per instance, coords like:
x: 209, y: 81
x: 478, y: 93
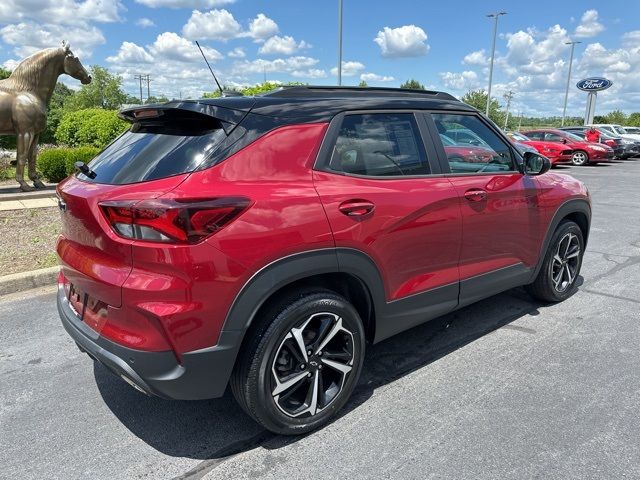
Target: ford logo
x: 594, y: 84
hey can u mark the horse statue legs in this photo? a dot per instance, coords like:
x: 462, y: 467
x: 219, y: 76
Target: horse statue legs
x: 26, y: 155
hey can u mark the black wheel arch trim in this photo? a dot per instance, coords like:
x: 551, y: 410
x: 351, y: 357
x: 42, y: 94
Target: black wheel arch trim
x: 569, y: 207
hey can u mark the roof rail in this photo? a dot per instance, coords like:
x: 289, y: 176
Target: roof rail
x: 304, y: 91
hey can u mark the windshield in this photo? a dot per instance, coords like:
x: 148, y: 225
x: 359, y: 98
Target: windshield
x: 619, y: 130
x: 520, y: 137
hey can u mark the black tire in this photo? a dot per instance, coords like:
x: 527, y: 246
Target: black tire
x: 254, y: 380
x: 546, y: 287
x: 580, y: 158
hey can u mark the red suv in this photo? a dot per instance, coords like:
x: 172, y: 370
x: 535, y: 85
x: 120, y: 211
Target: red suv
x: 584, y: 152
x: 262, y: 242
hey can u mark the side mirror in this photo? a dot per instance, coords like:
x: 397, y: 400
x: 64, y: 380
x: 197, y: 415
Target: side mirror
x: 564, y: 140
x: 535, y: 164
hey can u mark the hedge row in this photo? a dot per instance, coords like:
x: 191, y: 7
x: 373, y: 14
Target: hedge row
x: 58, y: 163
x: 90, y: 127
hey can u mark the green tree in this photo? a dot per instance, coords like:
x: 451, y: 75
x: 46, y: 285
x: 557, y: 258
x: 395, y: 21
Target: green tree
x: 61, y: 94
x: 412, y: 85
x: 160, y: 99
x: 634, y: 120
x: 4, y: 73
x: 618, y: 117
x: 363, y: 84
x: 251, y: 91
x: 478, y: 100
x: 104, y: 91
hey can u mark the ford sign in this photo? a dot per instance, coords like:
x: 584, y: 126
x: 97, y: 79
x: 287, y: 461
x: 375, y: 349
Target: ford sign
x: 594, y: 84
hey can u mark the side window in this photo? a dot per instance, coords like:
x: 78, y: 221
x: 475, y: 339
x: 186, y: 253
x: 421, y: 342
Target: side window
x: 379, y: 144
x: 471, y: 146
x: 535, y: 135
x: 553, y: 137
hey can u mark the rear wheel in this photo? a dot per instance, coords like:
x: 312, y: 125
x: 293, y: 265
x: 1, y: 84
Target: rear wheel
x: 301, y: 363
x: 561, y: 266
x: 580, y: 158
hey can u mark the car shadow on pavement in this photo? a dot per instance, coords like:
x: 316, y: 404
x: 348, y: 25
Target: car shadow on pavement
x: 213, y: 430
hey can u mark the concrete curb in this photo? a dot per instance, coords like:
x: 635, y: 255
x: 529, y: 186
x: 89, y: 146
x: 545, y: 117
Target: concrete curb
x: 17, y: 282
x: 27, y: 195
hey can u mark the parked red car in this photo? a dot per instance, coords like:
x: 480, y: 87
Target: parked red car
x: 553, y: 151
x: 465, y: 153
x: 262, y: 242
x: 584, y: 152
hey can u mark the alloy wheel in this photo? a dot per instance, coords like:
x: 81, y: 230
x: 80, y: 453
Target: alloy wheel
x: 579, y: 158
x: 566, y: 262
x: 311, y: 365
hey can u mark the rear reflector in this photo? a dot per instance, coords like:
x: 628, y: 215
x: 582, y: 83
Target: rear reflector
x: 172, y: 221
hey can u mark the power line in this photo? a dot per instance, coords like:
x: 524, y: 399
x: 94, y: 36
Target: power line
x: 144, y: 78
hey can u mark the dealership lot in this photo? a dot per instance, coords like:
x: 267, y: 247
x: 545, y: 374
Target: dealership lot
x: 506, y: 388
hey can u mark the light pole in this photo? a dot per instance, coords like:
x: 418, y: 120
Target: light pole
x: 493, y: 54
x: 339, y: 42
x: 566, y: 93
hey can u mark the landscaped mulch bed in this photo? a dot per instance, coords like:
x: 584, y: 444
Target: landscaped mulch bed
x: 27, y: 239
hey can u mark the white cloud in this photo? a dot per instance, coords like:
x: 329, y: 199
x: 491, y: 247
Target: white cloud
x: 57, y: 12
x: 172, y: 46
x: 29, y: 37
x: 286, y: 65
x: 466, y: 80
x: 212, y: 25
x: 184, y: 3
x: 589, y: 25
x: 262, y: 27
x: 405, y: 41
x: 373, y: 77
x: 130, y: 53
x: 310, y: 73
x: 631, y: 39
x: 478, y: 57
x: 277, y: 45
x: 349, y: 69
x: 237, y: 52
x: 145, y: 23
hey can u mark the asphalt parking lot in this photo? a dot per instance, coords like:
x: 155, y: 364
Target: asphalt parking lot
x: 506, y: 388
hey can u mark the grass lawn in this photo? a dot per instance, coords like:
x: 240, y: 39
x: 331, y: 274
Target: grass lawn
x: 28, y: 239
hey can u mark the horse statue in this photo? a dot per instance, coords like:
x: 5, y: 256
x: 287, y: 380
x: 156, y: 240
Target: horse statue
x: 24, y: 98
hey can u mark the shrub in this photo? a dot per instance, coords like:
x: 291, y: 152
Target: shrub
x: 94, y: 127
x: 58, y: 163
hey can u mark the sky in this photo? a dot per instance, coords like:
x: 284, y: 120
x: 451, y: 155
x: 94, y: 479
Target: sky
x: 444, y: 45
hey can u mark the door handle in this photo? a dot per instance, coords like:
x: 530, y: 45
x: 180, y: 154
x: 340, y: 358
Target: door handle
x: 475, y: 195
x: 356, y: 208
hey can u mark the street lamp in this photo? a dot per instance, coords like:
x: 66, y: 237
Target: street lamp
x: 339, y: 42
x: 493, y: 54
x: 566, y: 93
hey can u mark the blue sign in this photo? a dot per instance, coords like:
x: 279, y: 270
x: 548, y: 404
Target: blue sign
x: 594, y: 84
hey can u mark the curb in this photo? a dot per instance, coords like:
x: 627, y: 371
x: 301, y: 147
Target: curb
x: 17, y: 282
x: 27, y: 195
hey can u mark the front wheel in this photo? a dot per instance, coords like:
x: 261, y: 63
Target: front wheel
x: 557, y: 276
x: 580, y: 158
x: 301, y: 363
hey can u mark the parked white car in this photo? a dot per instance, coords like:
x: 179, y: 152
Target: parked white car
x: 617, y: 130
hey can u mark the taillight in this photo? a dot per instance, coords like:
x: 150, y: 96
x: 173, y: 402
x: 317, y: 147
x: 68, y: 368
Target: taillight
x: 611, y: 142
x: 172, y: 221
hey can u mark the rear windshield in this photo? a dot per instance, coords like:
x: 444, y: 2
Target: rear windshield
x: 173, y: 143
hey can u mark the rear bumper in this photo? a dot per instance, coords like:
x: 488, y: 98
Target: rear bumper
x: 202, y: 374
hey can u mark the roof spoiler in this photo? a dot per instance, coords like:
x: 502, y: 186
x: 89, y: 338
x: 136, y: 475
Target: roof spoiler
x: 229, y: 117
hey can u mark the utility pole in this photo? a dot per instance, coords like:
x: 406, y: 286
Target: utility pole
x: 520, y: 121
x: 493, y: 54
x: 507, y: 96
x: 339, y: 42
x: 566, y: 93
x: 148, y: 88
x: 139, y: 77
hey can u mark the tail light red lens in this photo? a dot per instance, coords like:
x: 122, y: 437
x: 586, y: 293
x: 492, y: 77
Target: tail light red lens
x: 172, y: 221
x: 610, y: 142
